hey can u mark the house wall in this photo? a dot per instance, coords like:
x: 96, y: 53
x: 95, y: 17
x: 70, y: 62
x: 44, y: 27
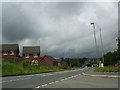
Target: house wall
x: 16, y: 54
x: 46, y: 60
x: 64, y: 64
x: 0, y: 54
x: 31, y: 57
x: 55, y: 63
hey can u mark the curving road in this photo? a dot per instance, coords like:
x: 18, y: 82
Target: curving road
x: 62, y: 79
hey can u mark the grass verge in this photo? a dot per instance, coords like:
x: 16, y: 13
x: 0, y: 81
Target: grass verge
x: 108, y: 69
x: 15, y: 68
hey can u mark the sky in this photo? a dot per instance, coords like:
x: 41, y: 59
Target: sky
x: 61, y: 29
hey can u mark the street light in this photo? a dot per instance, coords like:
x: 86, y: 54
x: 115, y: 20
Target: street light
x: 101, y: 46
x: 95, y: 38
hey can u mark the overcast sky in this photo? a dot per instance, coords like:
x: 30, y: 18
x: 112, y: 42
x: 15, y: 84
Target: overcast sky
x: 61, y: 28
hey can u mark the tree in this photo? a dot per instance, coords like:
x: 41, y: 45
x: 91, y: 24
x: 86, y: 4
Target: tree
x: 110, y: 58
x: 118, y: 50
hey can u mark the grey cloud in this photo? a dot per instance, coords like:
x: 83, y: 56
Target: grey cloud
x: 61, y: 28
x: 16, y: 25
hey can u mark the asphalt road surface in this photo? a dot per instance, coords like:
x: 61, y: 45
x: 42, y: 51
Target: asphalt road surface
x: 62, y: 79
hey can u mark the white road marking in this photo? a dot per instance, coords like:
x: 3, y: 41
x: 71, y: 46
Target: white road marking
x: 56, y: 81
x: 42, y: 75
x: 44, y: 85
x: 37, y: 87
x: 62, y: 79
x: 51, y: 83
x: 69, y: 77
x: 14, y: 80
x: 25, y: 78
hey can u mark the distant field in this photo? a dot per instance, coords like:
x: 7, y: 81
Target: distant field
x: 15, y: 68
x: 108, y: 69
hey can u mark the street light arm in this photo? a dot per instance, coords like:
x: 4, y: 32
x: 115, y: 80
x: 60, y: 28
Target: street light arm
x: 92, y: 23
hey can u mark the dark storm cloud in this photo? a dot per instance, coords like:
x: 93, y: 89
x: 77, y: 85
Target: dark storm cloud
x: 61, y: 28
x: 119, y: 18
x: 16, y: 25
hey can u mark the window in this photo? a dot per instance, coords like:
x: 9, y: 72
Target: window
x: 35, y: 55
x: 26, y: 55
x: 5, y: 53
x: 11, y: 52
x: 59, y: 64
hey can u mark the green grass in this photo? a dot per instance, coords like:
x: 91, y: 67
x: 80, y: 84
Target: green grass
x: 10, y: 68
x: 108, y: 69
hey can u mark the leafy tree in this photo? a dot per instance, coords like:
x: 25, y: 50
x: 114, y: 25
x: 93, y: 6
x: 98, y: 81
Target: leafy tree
x: 118, y: 50
x: 110, y: 58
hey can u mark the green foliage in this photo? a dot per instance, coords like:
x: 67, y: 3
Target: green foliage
x: 108, y: 69
x: 110, y: 58
x: 25, y: 64
x: 12, y: 68
x: 75, y: 62
x: 118, y: 50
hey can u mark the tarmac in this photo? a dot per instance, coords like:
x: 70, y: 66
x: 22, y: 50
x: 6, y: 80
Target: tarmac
x: 102, y: 74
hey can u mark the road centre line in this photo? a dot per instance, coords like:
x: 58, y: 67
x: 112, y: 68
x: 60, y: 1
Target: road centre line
x: 14, y: 80
x: 44, y: 85
x: 46, y: 74
x: 51, y: 83
x: 37, y: 87
x: 57, y: 81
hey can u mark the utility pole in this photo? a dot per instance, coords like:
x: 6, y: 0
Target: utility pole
x: 97, y: 53
x: 101, y: 46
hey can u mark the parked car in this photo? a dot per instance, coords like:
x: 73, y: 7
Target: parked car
x: 117, y: 65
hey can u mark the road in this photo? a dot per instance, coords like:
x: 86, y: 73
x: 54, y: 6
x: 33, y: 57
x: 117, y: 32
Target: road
x: 62, y: 79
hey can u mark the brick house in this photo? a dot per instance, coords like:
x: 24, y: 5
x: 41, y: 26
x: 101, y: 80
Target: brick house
x: 31, y: 53
x: 9, y: 50
x: 53, y: 61
x: 61, y: 63
x: 49, y: 60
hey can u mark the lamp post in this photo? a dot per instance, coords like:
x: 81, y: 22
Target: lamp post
x: 101, y: 46
x: 95, y: 38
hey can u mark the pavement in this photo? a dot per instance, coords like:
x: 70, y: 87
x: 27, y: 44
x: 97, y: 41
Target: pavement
x: 62, y: 79
x: 102, y: 74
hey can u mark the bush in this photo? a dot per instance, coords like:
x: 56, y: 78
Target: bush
x: 25, y: 64
x: 10, y: 68
x: 107, y: 69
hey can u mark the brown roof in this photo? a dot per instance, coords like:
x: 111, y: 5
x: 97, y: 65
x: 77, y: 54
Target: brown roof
x: 50, y: 57
x: 58, y: 60
x: 31, y: 49
x: 9, y: 47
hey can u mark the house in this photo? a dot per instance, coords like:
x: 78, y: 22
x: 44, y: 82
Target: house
x: 49, y: 60
x: 9, y: 50
x: 52, y: 61
x: 61, y: 63
x: 31, y: 53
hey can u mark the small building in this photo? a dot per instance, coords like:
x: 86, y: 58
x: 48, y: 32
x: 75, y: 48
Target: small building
x: 52, y: 61
x: 31, y: 53
x: 9, y: 50
x: 59, y: 62
x: 49, y: 60
x: 63, y: 63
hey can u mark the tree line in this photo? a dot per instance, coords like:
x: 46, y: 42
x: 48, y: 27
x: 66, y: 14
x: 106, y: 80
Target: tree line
x: 110, y: 58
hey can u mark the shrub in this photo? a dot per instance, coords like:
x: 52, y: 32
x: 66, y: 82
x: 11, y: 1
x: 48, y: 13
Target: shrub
x: 25, y: 64
x: 107, y: 69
